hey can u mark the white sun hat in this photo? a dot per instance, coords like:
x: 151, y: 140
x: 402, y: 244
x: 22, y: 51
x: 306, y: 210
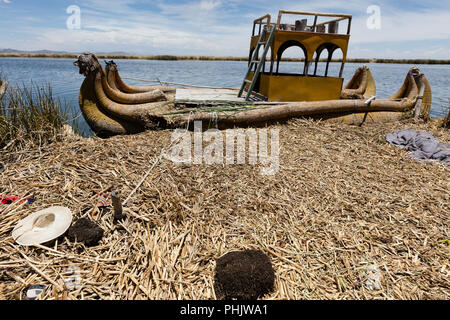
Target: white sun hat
x: 42, y: 226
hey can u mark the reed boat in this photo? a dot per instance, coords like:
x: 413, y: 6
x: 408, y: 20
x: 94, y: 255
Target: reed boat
x: 111, y: 106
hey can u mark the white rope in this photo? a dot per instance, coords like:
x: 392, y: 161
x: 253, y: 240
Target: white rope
x: 369, y: 101
x: 157, y: 160
x: 176, y: 84
x: 142, y: 181
x: 191, y: 113
x: 215, y: 119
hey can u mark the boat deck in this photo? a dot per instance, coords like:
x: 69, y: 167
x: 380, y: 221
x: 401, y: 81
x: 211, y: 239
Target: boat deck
x: 211, y: 96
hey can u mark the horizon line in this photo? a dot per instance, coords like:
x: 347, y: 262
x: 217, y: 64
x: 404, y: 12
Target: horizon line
x: 125, y: 56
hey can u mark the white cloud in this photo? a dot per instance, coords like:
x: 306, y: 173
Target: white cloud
x: 404, y: 26
x: 209, y: 4
x: 197, y: 14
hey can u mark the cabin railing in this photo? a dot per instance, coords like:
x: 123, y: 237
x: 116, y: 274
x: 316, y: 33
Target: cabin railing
x: 265, y: 21
x: 316, y: 26
x: 260, y: 22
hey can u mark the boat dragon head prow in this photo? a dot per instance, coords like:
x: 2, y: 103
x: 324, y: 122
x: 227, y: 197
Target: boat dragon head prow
x: 88, y: 63
x: 111, y: 66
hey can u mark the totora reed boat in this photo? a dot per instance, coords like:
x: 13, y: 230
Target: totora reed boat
x: 111, y: 106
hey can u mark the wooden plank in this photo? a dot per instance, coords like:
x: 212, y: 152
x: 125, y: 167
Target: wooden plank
x: 197, y: 96
x: 327, y: 22
x: 201, y: 95
x: 315, y: 14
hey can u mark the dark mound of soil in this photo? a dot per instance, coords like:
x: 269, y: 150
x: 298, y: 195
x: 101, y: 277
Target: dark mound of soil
x: 243, y: 275
x: 85, y: 231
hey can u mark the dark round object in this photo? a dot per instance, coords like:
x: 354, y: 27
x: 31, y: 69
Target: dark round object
x: 85, y: 231
x: 243, y: 275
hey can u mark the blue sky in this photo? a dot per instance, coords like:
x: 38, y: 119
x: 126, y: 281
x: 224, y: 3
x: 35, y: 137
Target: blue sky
x: 409, y: 29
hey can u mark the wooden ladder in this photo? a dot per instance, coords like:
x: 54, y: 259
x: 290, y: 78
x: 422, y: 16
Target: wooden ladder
x: 259, y: 63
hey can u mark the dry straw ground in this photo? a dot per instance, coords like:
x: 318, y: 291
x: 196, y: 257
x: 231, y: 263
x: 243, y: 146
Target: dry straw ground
x: 343, y: 200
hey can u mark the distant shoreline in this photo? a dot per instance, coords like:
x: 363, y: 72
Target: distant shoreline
x: 206, y: 58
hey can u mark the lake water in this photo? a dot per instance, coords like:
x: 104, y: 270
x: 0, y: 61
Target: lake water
x: 65, y: 80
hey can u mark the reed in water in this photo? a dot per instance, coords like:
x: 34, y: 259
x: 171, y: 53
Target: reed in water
x: 31, y: 115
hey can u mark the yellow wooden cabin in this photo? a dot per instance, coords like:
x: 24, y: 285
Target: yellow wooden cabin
x: 314, y: 34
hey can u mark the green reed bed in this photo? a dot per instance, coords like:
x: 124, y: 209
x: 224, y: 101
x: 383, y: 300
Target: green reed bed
x: 211, y: 58
x: 31, y: 115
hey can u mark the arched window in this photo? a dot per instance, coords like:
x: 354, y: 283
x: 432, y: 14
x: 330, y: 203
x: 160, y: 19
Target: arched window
x: 325, y: 52
x: 337, y: 68
x: 284, y: 49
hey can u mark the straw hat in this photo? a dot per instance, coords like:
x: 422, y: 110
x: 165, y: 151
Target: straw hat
x: 42, y: 226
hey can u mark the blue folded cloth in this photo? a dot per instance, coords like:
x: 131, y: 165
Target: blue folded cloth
x: 422, y: 144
